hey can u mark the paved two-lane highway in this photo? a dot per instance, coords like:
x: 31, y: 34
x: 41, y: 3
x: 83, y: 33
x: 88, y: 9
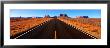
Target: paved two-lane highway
x: 53, y: 29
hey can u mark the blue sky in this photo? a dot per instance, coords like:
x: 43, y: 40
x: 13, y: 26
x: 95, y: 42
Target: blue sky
x: 92, y: 13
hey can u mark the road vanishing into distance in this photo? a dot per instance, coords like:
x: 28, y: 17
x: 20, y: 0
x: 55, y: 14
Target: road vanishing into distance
x: 53, y: 29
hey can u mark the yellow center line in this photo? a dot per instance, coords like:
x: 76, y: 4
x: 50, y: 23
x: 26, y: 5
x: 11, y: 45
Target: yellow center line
x: 55, y: 34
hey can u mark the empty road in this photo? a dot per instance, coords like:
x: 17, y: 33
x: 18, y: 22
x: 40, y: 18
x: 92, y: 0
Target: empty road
x: 53, y: 29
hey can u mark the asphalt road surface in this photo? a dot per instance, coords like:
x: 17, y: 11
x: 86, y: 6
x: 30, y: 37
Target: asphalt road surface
x: 53, y: 29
